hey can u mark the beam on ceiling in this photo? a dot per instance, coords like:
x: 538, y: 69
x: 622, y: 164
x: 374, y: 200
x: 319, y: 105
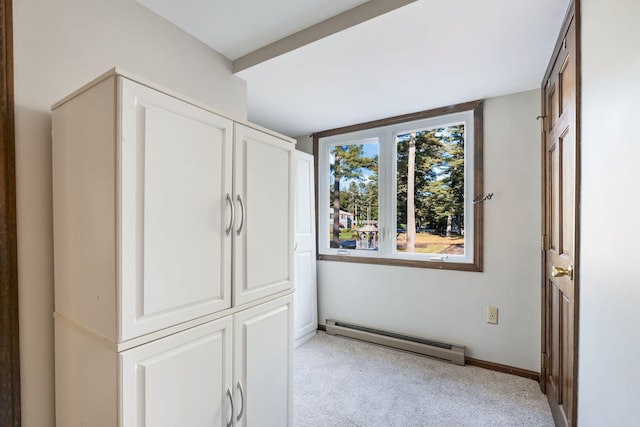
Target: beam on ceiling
x: 344, y: 20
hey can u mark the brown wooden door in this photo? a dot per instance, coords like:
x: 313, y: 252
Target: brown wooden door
x: 560, y: 228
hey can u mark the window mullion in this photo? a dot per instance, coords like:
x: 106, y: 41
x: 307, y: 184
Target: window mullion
x: 387, y: 180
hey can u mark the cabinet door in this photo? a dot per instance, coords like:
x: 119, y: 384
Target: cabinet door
x: 175, y: 206
x: 180, y: 380
x: 305, y: 317
x: 263, y: 346
x: 263, y: 233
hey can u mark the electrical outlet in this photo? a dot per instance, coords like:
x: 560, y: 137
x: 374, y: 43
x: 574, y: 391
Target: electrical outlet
x: 492, y: 315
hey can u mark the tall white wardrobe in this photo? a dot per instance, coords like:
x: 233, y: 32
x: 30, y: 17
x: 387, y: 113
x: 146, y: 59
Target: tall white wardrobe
x: 305, y: 315
x: 173, y: 243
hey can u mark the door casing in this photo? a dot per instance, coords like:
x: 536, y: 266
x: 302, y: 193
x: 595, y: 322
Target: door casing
x: 9, y: 332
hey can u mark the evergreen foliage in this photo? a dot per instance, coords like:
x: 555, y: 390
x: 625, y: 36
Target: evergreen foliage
x: 349, y: 165
x: 439, y: 179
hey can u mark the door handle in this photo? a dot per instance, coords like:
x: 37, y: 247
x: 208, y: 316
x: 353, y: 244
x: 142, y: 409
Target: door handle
x: 241, y: 400
x: 230, y: 423
x: 233, y: 214
x: 243, y: 215
x: 559, y: 271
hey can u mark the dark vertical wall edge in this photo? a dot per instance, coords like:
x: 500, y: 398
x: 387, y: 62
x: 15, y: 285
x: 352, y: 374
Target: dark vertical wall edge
x: 9, y: 332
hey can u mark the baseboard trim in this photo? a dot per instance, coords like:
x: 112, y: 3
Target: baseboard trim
x: 525, y: 373
x: 492, y: 366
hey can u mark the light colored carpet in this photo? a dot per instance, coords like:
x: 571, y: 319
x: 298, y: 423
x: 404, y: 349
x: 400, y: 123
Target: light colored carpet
x: 340, y: 382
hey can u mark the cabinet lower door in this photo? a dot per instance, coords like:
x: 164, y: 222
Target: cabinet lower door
x: 180, y: 380
x: 263, y: 343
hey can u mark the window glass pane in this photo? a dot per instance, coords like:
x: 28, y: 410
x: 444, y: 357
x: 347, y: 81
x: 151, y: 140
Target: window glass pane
x: 353, y: 196
x: 430, y: 191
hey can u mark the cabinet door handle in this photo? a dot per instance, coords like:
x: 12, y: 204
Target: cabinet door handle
x: 230, y: 423
x: 233, y: 214
x: 242, y: 217
x: 241, y: 400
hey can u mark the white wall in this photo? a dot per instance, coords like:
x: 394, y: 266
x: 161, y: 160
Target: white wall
x: 609, y: 372
x: 305, y: 144
x: 451, y: 305
x: 60, y: 45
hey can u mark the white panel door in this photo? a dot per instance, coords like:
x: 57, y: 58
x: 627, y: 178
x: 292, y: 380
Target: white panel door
x: 305, y: 313
x: 263, y: 232
x: 263, y: 349
x: 175, y: 194
x: 181, y: 380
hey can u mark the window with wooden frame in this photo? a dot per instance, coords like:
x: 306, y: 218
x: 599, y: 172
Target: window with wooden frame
x: 401, y: 191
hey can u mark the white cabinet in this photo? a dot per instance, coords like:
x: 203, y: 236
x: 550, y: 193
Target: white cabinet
x: 236, y: 370
x: 305, y: 317
x: 172, y: 223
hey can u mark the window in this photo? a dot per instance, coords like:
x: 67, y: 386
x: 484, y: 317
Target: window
x: 400, y: 191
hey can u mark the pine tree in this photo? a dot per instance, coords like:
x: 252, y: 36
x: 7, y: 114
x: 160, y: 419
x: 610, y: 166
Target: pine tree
x: 349, y: 163
x: 438, y: 180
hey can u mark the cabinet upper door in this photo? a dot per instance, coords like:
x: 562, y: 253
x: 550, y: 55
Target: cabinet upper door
x: 181, y: 380
x: 263, y: 233
x: 175, y: 207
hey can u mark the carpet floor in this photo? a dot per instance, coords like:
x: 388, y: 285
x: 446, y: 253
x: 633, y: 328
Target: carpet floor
x: 341, y: 382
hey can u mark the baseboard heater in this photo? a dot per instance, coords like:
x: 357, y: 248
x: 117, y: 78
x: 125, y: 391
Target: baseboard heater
x: 444, y: 351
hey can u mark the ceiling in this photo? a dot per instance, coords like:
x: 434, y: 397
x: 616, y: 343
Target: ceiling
x: 421, y: 55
